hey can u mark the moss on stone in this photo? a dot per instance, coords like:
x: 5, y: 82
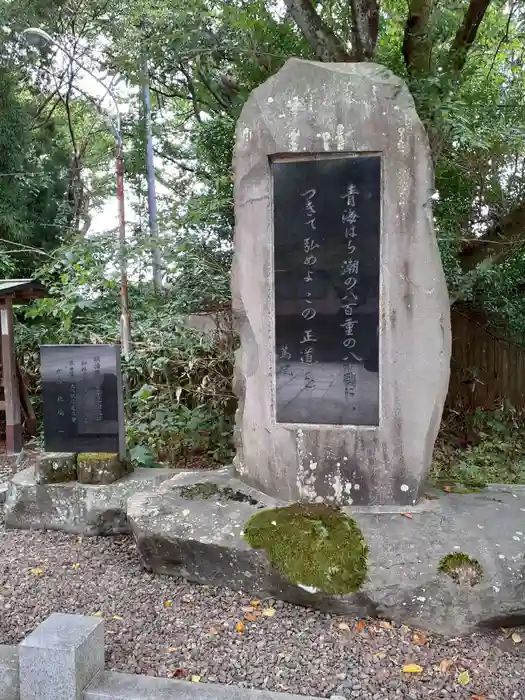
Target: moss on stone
x: 461, y: 568
x: 96, y: 456
x: 207, y: 489
x: 313, y: 545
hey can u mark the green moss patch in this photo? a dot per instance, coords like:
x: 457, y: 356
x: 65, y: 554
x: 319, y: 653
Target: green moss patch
x: 313, y: 545
x: 96, y: 456
x: 207, y: 490
x: 461, y: 568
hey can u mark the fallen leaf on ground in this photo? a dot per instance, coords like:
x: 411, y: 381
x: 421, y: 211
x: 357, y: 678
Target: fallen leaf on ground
x: 251, y: 617
x: 195, y: 679
x: 343, y: 626
x: 360, y: 626
x: 464, y: 678
x: 419, y: 638
x: 447, y: 489
x: 167, y: 603
x: 385, y: 624
x: 116, y: 617
x: 405, y: 629
x: 478, y: 697
x: 76, y: 565
x: 36, y: 572
x: 255, y: 603
x: 412, y: 668
x: 380, y: 654
x: 516, y: 638
x: 213, y: 631
x: 171, y: 649
x: 178, y: 673
x: 445, y: 665
x: 269, y: 612
x: 99, y: 613
x: 407, y: 515
x: 239, y: 626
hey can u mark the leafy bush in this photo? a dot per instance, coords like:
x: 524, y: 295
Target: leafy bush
x: 481, y: 447
x: 178, y: 401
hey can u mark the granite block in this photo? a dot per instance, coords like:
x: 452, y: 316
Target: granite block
x: 60, y: 658
x: 9, y: 678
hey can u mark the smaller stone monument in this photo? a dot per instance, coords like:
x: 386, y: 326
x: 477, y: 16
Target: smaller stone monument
x: 82, y: 399
x: 338, y: 289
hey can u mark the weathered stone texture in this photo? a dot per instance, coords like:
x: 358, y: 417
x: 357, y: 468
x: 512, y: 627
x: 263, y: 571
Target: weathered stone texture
x: 201, y: 540
x: 55, y: 467
x: 101, y: 468
x: 355, y: 108
x: 72, y: 507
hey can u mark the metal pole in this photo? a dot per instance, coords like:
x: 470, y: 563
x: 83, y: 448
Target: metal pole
x: 152, y: 196
x: 125, y: 325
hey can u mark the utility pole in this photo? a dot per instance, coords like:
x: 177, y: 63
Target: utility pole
x: 152, y: 195
x: 115, y: 125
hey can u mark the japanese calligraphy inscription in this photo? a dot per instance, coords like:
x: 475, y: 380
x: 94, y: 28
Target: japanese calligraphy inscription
x: 327, y: 227
x: 82, y: 398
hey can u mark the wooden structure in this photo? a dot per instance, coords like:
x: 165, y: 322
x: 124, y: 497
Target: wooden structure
x: 14, y: 397
x: 486, y: 369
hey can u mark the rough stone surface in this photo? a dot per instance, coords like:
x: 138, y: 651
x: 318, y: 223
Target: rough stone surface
x: 55, y: 467
x: 73, y: 507
x: 354, y: 107
x: 198, y: 538
x: 297, y: 650
x: 9, y: 677
x: 94, y: 468
x: 60, y: 658
x: 3, y: 492
x: 120, y: 686
x: 202, y: 541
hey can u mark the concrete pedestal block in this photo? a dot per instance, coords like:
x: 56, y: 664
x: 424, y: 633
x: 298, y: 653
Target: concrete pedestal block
x: 60, y: 658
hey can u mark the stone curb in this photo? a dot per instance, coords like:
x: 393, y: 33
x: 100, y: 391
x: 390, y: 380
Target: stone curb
x: 122, y: 686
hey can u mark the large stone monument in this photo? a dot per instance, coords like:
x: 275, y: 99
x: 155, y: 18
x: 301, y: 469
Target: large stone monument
x: 338, y: 289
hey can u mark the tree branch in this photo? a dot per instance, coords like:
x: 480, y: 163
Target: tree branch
x: 321, y: 38
x: 365, y: 28
x: 498, y: 243
x: 466, y: 33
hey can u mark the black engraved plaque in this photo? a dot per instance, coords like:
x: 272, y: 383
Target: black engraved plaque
x: 327, y: 230
x: 82, y: 398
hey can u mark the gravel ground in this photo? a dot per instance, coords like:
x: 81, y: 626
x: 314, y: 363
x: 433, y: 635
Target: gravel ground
x: 161, y: 626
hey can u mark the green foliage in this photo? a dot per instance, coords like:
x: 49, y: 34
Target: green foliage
x: 179, y: 404
x: 479, y: 448
x: 313, y: 545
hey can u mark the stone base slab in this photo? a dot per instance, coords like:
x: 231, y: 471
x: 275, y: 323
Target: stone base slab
x: 201, y: 539
x: 83, y: 509
x: 123, y: 686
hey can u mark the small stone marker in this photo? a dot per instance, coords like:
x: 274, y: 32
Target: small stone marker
x: 60, y: 658
x: 338, y: 289
x: 82, y: 398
